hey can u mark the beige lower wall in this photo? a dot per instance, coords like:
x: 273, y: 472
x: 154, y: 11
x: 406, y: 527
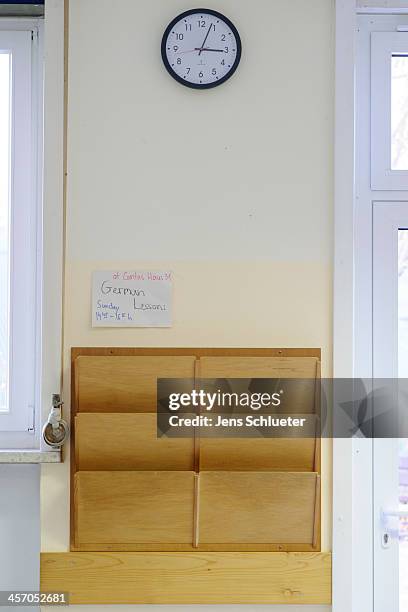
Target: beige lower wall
x: 257, y: 304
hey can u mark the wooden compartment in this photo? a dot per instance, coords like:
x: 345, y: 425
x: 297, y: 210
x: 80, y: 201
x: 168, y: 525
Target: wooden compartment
x: 244, y: 366
x: 125, y: 384
x: 300, y: 398
x: 133, y: 507
x: 258, y: 507
x: 259, y: 454
x: 128, y: 441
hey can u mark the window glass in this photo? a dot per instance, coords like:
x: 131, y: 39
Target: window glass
x: 399, y: 112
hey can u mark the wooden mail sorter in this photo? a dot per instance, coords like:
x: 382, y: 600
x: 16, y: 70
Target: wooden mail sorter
x: 133, y: 491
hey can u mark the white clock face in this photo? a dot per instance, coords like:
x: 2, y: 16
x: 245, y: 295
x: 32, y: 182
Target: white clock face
x: 201, y: 48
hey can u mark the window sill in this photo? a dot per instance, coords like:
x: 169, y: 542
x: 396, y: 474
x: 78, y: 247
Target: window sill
x: 30, y: 456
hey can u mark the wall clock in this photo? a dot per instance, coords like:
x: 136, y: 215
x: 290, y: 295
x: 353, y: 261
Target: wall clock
x: 201, y: 48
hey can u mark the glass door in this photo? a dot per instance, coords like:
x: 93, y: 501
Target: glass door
x: 390, y: 360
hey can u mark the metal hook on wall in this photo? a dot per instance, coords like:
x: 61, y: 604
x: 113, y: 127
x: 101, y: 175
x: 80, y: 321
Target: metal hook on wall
x: 55, y: 431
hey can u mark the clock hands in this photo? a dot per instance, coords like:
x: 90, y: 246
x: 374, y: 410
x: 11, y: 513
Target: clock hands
x: 188, y: 51
x: 200, y: 49
x: 208, y: 49
x: 205, y: 40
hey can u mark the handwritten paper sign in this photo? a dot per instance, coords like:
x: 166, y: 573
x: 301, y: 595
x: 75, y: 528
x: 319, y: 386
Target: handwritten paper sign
x: 131, y: 299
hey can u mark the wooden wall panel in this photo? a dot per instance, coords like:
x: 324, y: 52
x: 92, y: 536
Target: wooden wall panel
x: 257, y: 507
x: 189, y: 578
x: 116, y: 507
x: 125, y: 384
x: 128, y: 441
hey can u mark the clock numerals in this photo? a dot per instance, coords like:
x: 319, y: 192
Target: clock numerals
x: 201, y: 39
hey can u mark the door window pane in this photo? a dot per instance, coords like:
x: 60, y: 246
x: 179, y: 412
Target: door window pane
x: 399, y: 112
x: 5, y: 106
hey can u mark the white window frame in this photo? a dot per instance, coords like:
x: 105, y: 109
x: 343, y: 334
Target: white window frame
x: 50, y: 191
x: 383, y: 46
x: 24, y: 38
x: 54, y: 188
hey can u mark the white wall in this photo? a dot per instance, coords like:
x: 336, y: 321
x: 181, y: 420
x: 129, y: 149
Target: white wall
x: 231, y: 188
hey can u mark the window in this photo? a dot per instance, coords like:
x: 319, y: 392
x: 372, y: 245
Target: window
x: 20, y: 222
x: 389, y: 110
x: 399, y: 112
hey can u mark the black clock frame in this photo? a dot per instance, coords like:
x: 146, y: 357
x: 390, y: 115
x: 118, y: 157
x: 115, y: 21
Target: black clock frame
x: 167, y: 63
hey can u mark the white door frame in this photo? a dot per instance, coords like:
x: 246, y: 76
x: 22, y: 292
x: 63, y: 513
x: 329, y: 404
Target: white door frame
x: 353, y: 527
x: 352, y: 458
